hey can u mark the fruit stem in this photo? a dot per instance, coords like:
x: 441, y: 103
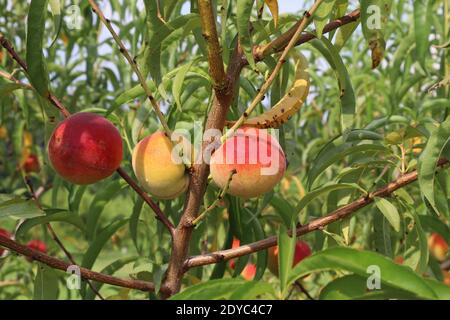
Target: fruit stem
x: 216, y: 202
x: 307, y: 17
x: 133, y: 65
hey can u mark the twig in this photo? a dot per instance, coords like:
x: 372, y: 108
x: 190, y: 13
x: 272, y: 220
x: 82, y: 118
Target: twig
x: 54, y: 235
x: 54, y: 100
x: 216, y: 202
x: 314, y: 225
x: 133, y: 65
x: 85, y: 273
x: 295, y: 37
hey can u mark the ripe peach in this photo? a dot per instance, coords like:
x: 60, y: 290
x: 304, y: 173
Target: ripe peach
x: 37, y: 245
x: 158, y: 172
x: 249, y: 272
x: 236, y: 243
x: 85, y: 148
x: 31, y: 164
x: 438, y: 246
x: 256, y: 156
x: 302, y: 250
x: 6, y: 234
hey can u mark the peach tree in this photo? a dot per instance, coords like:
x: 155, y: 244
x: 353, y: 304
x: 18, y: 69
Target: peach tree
x: 224, y: 149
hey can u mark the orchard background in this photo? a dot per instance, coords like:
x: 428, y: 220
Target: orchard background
x: 366, y: 189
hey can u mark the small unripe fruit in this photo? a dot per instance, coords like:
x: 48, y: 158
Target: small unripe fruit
x: 159, y: 173
x: 257, y: 159
x: 37, y: 245
x: 302, y: 250
x: 31, y: 164
x: 85, y: 148
x: 438, y: 246
x: 6, y: 234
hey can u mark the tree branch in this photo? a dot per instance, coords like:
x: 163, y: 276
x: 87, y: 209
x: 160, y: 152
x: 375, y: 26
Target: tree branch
x: 208, y: 23
x: 85, y: 273
x: 314, y: 225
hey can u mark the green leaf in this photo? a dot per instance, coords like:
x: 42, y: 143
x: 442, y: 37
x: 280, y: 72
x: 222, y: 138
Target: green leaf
x: 55, y: 7
x: 252, y: 290
x: 18, y: 208
x: 358, y: 262
x: 51, y: 216
x: 286, y: 247
x: 243, y: 14
x: 439, y: 138
x: 374, y: 18
x: 37, y: 68
x: 179, y: 80
x: 8, y: 88
x: 422, y: 28
x: 45, y: 283
x: 389, y: 211
x: 322, y: 15
x: 310, y: 196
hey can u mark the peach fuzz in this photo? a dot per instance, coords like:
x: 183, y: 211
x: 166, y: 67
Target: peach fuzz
x: 159, y: 173
x: 256, y: 156
x: 85, y: 148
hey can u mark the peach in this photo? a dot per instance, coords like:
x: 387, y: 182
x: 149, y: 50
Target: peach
x: 85, y: 148
x: 438, y: 246
x: 159, y: 173
x: 446, y: 275
x: 257, y: 158
x: 236, y: 243
x: 302, y: 250
x: 37, y: 245
x: 31, y: 164
x: 6, y: 234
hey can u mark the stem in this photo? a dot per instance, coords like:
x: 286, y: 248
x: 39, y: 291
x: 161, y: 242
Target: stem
x: 307, y: 17
x: 133, y: 65
x: 216, y: 202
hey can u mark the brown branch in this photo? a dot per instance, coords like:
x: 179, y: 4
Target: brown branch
x: 314, y: 225
x: 86, y: 274
x: 208, y: 23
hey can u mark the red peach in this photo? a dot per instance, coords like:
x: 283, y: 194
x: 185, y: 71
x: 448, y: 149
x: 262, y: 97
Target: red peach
x: 302, y: 250
x: 257, y: 158
x: 236, y: 243
x: 85, y: 148
x: 438, y: 246
x: 6, y: 234
x: 31, y: 164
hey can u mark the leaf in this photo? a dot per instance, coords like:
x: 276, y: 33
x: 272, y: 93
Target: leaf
x: 211, y: 290
x: 286, y: 247
x: 322, y: 15
x: 178, y: 81
x: 442, y: 46
x: 310, y: 196
x: 389, y: 211
x: 45, y: 283
x: 37, y: 68
x: 374, y: 18
x: 358, y: 262
x: 8, y: 88
x: 18, y: 208
x: 422, y: 28
x: 243, y: 14
x: 344, y: 33
x: 51, y: 216
x: 252, y: 290
x: 134, y: 221
x: 55, y: 7
x: 273, y: 7
x: 439, y: 138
